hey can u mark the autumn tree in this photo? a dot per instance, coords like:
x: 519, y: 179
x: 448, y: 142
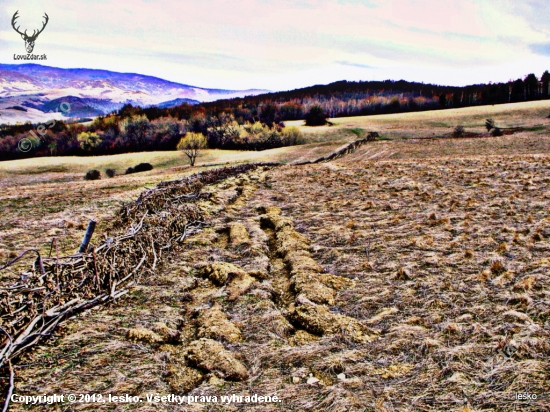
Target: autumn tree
x: 221, y: 130
x: 191, y: 145
x: 137, y: 131
x: 269, y: 114
x: 88, y: 140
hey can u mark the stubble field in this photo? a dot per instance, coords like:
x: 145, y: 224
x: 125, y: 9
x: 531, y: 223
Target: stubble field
x: 409, y: 275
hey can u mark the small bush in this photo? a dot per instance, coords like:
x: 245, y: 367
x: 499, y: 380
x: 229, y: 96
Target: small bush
x: 110, y: 172
x: 459, y: 131
x: 291, y: 136
x: 372, y: 136
x: 316, y: 116
x: 142, y: 167
x: 93, y: 175
x: 496, y: 132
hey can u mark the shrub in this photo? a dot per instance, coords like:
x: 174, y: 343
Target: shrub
x: 93, y: 175
x: 142, y: 167
x: 110, y: 172
x: 257, y: 136
x: 372, y: 136
x: 496, y: 132
x: 316, y: 116
x: 459, y: 131
x: 221, y: 132
x: 291, y: 136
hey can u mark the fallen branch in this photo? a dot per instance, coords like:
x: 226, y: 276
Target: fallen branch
x: 11, y: 262
x: 11, y: 387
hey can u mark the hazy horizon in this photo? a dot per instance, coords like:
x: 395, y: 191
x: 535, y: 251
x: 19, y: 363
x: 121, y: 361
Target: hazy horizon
x: 281, y: 45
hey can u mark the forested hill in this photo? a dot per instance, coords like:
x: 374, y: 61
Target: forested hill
x: 345, y: 98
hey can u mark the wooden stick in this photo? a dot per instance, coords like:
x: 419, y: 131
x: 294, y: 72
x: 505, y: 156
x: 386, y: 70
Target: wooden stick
x: 11, y: 262
x: 87, y: 237
x: 154, y: 253
x: 6, y: 349
x: 51, y: 247
x: 10, y: 390
x: 95, y: 271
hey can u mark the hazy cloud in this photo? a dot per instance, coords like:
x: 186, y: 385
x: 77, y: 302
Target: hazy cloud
x: 363, y: 66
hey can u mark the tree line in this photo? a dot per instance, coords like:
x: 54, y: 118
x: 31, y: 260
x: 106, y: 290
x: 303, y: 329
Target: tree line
x: 342, y: 99
x: 131, y: 130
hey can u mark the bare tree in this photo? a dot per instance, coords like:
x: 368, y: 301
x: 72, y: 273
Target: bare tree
x: 191, y: 145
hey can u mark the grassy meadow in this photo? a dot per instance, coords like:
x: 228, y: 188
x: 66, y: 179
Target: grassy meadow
x: 441, y: 123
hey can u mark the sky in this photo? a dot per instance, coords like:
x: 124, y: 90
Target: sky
x: 282, y: 45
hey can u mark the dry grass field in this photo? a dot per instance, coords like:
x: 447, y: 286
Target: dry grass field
x: 47, y: 198
x: 411, y: 275
x: 532, y: 116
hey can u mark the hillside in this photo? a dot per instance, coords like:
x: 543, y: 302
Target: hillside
x: 37, y: 87
x: 410, y: 284
x: 409, y: 275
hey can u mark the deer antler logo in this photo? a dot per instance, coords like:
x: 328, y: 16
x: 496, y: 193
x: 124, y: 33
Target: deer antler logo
x: 29, y: 40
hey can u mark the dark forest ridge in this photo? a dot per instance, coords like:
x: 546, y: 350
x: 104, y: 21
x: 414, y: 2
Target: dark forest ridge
x: 351, y: 98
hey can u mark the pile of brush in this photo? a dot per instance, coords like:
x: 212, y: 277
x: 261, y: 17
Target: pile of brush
x: 56, y: 288
x: 350, y: 148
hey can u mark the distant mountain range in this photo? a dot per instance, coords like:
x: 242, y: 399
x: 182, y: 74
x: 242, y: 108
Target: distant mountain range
x: 41, y: 89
